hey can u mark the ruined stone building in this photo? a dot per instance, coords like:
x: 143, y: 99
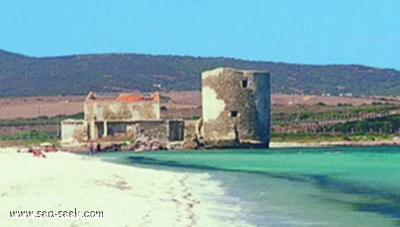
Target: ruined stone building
x: 236, y: 113
x: 236, y: 108
x: 122, y: 115
x: 108, y: 114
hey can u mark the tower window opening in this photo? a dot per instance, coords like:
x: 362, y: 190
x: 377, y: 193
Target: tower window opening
x: 244, y: 83
x: 234, y: 113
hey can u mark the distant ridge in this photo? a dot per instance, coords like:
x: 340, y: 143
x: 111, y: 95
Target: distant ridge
x: 78, y: 74
x: 5, y: 55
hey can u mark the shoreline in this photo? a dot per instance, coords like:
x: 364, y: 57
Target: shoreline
x: 394, y: 142
x: 127, y: 195
x: 335, y: 144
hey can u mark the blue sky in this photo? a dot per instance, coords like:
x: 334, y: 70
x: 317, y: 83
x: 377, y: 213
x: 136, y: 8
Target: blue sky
x: 363, y: 32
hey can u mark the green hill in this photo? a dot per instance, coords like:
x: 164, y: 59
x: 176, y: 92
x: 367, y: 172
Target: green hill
x: 76, y: 75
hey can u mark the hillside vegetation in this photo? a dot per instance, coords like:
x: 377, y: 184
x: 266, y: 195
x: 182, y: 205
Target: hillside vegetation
x: 76, y: 75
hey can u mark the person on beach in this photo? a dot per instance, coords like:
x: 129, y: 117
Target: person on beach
x: 38, y: 153
x: 91, y: 148
x: 98, y: 149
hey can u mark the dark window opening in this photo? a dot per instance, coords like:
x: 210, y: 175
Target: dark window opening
x: 176, y: 131
x: 234, y: 113
x: 244, y: 83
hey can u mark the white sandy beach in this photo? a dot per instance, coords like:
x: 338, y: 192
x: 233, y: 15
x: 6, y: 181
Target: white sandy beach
x: 127, y: 196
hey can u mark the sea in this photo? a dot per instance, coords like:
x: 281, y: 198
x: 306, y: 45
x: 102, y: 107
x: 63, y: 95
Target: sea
x: 285, y: 187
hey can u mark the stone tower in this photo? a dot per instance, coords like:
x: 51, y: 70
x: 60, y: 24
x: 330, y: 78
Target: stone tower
x: 236, y: 108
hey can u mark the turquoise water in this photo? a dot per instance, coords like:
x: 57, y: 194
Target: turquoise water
x: 342, y: 186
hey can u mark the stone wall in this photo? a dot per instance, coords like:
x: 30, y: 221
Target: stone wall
x: 152, y: 130
x: 74, y: 130
x: 130, y: 111
x: 161, y: 130
x: 236, y: 107
x: 191, y: 137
